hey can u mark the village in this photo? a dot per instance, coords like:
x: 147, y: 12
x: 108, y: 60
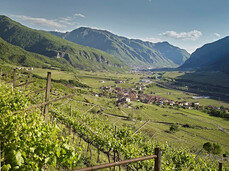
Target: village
x: 124, y: 96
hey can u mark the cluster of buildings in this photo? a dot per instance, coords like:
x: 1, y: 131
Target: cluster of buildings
x: 125, y: 96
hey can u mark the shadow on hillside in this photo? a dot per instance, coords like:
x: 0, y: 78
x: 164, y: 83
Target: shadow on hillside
x: 213, y: 84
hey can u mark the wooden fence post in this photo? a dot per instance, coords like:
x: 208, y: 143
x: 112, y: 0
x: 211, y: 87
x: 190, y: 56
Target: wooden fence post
x: 47, y: 93
x: 0, y: 74
x: 157, y: 162
x: 220, y: 166
x: 14, y: 78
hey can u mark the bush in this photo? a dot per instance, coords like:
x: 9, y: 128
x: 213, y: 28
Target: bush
x: 212, y: 148
x: 173, y: 128
x: 207, y: 146
x: 217, y: 149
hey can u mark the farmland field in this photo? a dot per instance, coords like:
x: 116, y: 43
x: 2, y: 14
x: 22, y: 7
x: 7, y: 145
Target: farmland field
x: 203, y: 127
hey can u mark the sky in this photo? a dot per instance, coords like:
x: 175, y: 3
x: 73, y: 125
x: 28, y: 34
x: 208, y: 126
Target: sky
x: 188, y: 24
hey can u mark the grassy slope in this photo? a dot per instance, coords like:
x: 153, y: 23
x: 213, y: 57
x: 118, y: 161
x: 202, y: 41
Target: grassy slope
x: 15, y: 55
x: 204, y: 127
x: 209, y: 83
x: 46, y: 44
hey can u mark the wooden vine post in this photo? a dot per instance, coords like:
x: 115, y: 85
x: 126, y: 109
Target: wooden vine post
x: 14, y: 78
x: 0, y: 74
x: 47, y: 93
x: 157, y: 161
x: 220, y: 166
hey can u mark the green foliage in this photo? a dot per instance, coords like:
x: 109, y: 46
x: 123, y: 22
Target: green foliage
x: 15, y: 55
x: 174, y: 128
x: 27, y: 142
x: 182, y: 160
x: 208, y: 147
x: 216, y: 149
x: 96, y: 130
x: 216, y: 112
x: 129, y: 145
x: 212, y: 148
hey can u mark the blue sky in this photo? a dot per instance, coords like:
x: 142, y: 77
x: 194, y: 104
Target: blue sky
x: 188, y: 24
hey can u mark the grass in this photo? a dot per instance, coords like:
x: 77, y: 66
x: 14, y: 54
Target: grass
x: 56, y: 74
x: 203, y: 128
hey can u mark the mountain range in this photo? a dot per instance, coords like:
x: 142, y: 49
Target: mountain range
x: 101, y: 50
x: 62, y: 51
x: 132, y: 52
x: 213, y: 56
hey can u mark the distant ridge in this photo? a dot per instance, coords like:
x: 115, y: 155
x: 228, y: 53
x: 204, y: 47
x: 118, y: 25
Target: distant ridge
x: 46, y: 44
x: 211, y: 56
x: 132, y: 52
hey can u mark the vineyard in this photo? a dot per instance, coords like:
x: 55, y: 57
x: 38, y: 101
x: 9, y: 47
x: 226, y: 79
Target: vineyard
x: 65, y: 131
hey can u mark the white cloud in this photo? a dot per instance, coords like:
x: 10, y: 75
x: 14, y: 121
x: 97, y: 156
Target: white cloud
x: 41, y: 21
x: 79, y: 15
x: 59, y: 23
x: 152, y: 39
x: 216, y: 34
x: 192, y: 35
